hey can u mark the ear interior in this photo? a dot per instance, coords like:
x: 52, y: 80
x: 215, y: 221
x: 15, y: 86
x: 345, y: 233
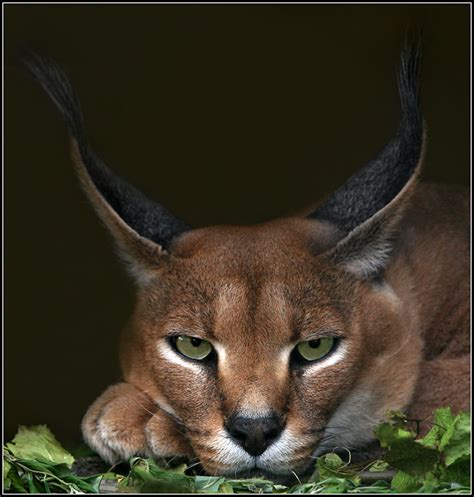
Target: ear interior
x: 139, y: 254
x: 367, y: 249
x: 367, y: 208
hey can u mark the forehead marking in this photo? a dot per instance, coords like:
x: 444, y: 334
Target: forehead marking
x: 238, y: 306
x: 255, y: 403
x: 231, y: 294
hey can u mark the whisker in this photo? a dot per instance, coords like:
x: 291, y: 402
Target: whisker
x: 193, y: 465
x: 335, y: 434
x: 332, y: 448
x: 175, y: 418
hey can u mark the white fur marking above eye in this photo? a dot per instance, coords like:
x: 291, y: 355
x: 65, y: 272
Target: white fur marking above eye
x: 285, y: 356
x: 221, y: 353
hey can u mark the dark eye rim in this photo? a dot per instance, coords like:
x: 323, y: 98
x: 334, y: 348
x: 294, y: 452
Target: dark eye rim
x: 210, y: 359
x: 296, y: 359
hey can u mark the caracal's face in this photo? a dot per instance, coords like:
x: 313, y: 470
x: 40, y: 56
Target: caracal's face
x: 265, y: 353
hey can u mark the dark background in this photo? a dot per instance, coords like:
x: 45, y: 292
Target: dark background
x: 226, y: 114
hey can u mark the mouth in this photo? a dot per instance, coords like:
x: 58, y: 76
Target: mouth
x: 286, y: 462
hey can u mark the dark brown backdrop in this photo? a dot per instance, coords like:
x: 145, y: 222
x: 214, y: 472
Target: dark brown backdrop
x: 227, y: 114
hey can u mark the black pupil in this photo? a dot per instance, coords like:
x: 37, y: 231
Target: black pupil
x: 195, y: 342
x: 314, y: 344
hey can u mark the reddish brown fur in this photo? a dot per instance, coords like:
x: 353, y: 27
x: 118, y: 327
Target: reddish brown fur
x: 381, y: 268
x: 249, y: 288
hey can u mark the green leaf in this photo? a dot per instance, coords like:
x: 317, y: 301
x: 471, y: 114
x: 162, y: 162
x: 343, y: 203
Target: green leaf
x: 252, y: 485
x: 389, y: 434
x: 148, y: 477
x: 34, y: 486
x: 450, y: 434
x: 398, y: 419
x: 411, y: 457
x: 208, y: 484
x: 339, y: 488
x: 226, y: 488
x: 430, y: 484
x: 332, y: 461
x: 17, y: 483
x: 443, y: 417
x: 90, y: 484
x: 443, y: 421
x: 335, y: 485
x: 332, y: 466
x: 457, y: 444
x: 305, y: 488
x: 458, y: 472
x: 327, y: 466
x: 6, y: 470
x: 433, y: 437
x: 405, y: 483
x: 378, y: 465
x: 33, y: 466
x: 38, y: 443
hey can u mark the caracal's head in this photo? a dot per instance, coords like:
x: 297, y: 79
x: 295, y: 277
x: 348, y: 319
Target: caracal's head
x: 274, y: 343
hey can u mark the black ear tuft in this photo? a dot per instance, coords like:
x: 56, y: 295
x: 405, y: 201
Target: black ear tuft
x: 148, y: 219
x: 55, y: 83
x: 374, y: 186
x: 408, y: 87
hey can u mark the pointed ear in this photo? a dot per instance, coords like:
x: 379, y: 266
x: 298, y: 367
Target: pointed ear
x: 142, y: 229
x: 367, y: 208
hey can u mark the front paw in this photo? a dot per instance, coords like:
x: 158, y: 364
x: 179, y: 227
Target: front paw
x: 124, y: 422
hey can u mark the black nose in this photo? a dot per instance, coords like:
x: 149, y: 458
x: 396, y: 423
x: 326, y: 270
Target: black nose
x: 254, y: 434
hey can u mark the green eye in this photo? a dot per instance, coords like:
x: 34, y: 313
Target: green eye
x: 192, y: 347
x: 312, y: 350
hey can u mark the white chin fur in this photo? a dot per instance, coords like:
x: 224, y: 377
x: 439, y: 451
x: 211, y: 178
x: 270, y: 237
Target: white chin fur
x: 276, y: 459
x: 228, y: 453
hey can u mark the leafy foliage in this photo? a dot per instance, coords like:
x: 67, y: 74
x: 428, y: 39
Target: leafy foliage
x: 35, y: 462
x: 438, y: 462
